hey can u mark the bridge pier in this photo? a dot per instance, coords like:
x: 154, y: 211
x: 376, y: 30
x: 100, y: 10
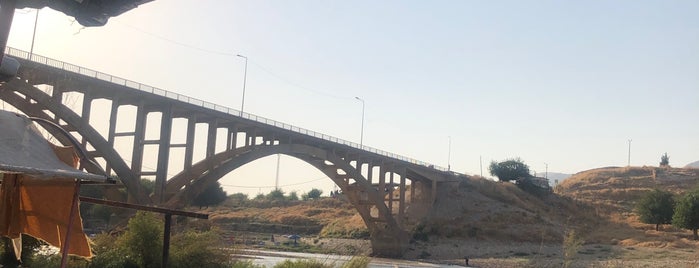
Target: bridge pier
x: 390, y: 242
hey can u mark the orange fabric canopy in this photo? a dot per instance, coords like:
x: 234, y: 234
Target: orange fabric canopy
x: 41, y: 208
x: 38, y: 186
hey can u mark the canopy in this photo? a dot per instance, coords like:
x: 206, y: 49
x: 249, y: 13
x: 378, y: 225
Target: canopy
x: 87, y: 13
x: 24, y: 150
x: 38, y: 195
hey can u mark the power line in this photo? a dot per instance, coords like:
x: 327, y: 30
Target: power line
x: 280, y: 78
x: 230, y: 54
x: 272, y: 186
x: 177, y: 42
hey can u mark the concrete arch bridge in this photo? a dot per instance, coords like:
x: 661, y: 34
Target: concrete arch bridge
x: 364, y: 174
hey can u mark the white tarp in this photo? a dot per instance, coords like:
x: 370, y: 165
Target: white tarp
x: 24, y: 150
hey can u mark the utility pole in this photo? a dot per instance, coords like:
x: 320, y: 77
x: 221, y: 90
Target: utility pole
x: 449, y: 156
x: 629, y: 161
x: 480, y: 158
x: 276, y: 181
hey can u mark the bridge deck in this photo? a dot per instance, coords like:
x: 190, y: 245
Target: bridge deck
x: 41, y: 68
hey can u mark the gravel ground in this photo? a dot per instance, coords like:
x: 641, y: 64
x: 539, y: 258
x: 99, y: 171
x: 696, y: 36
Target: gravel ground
x: 504, y: 254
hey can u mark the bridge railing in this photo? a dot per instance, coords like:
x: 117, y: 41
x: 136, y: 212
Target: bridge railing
x: 172, y: 95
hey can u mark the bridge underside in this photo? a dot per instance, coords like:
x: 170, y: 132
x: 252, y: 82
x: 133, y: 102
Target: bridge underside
x: 391, y: 195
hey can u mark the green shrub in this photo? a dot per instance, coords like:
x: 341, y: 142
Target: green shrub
x: 141, y: 246
x: 357, y: 262
x: 571, y: 245
x: 245, y: 264
x: 144, y: 240
x: 302, y: 264
x: 30, y: 246
x: 195, y: 249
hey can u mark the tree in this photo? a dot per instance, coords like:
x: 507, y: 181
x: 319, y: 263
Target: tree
x: 312, y: 194
x: 237, y: 199
x: 276, y: 194
x: 293, y: 196
x: 143, y: 242
x: 687, y: 213
x: 656, y: 207
x: 509, y: 170
x: 212, y: 195
x: 664, y: 160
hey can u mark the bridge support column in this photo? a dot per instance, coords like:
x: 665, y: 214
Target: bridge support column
x: 389, y: 242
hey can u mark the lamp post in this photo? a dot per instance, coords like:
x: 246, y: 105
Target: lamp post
x: 361, y: 136
x: 245, y: 78
x: 36, y: 21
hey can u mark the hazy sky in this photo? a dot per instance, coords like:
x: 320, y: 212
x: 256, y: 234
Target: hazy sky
x: 566, y: 83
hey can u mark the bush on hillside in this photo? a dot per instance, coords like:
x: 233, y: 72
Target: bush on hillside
x: 312, y: 194
x: 656, y: 207
x: 277, y: 194
x: 535, y: 187
x: 509, y: 170
x: 664, y: 160
x: 687, y: 213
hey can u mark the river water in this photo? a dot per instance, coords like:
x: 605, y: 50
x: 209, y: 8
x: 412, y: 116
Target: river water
x: 270, y: 258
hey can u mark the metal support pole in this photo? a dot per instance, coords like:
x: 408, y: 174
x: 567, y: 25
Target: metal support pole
x: 73, y: 211
x: 166, y: 239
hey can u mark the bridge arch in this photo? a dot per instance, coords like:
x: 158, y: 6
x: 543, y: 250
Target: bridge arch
x: 388, y: 238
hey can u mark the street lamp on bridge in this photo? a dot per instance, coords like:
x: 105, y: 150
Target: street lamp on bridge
x: 361, y: 136
x: 245, y: 78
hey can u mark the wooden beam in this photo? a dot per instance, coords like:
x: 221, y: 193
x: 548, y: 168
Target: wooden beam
x: 142, y: 207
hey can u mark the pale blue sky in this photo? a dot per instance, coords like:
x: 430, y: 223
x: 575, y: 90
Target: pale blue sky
x: 558, y: 82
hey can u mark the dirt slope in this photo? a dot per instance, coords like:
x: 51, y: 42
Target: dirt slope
x: 597, y: 204
x: 613, y: 193
x: 481, y: 209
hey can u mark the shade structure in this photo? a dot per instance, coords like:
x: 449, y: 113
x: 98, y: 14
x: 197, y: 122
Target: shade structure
x: 24, y: 150
x: 39, y: 187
